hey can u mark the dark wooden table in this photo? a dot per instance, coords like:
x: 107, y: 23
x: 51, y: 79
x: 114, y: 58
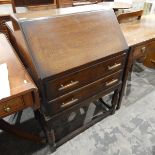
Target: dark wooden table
x: 140, y: 37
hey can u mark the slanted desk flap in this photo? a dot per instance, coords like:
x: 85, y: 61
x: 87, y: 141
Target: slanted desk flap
x: 64, y: 42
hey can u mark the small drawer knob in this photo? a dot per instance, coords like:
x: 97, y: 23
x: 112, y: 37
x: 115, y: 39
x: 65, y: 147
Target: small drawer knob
x: 143, y: 49
x: 152, y: 61
x: 7, y: 109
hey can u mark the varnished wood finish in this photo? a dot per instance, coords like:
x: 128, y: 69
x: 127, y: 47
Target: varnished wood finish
x: 149, y: 60
x: 139, y: 34
x: 33, y: 5
x: 74, y: 60
x: 5, y: 1
x: 64, y: 3
x: 21, y: 84
x: 129, y: 15
x: 22, y: 50
x: 18, y: 6
x: 22, y: 91
x: 139, y: 51
x: 51, y: 58
x: 12, y: 106
x: 81, y: 94
x: 70, y: 82
x: 16, y: 18
x: 139, y: 31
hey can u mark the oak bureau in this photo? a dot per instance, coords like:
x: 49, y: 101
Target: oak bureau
x: 76, y: 59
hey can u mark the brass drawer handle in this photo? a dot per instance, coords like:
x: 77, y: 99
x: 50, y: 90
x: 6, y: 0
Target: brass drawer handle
x: 69, y: 103
x: 7, y: 109
x: 114, y: 66
x: 152, y: 61
x: 143, y: 49
x: 111, y: 82
x: 72, y: 83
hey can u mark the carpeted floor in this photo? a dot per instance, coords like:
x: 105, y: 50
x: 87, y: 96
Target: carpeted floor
x: 131, y: 131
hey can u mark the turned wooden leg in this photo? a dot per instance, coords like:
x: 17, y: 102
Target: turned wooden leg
x: 49, y: 133
x: 114, y: 101
x: 129, y: 79
x: 128, y: 68
x: 18, y: 132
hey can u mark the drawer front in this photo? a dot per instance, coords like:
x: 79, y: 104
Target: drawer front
x: 139, y: 52
x: 11, y: 106
x: 76, y: 80
x: 65, y: 3
x: 150, y: 56
x: 83, y: 93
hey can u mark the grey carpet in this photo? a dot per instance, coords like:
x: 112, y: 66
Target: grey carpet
x: 131, y: 131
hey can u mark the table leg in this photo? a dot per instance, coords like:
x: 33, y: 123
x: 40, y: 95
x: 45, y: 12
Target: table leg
x: 19, y: 132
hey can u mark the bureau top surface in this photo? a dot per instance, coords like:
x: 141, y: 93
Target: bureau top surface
x: 139, y: 31
x: 16, y: 80
x: 64, y: 42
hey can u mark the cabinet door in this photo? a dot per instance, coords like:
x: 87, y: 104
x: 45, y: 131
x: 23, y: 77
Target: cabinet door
x: 150, y: 56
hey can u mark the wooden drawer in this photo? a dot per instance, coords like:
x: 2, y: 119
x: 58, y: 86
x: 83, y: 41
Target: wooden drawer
x: 65, y: 3
x: 11, y: 106
x: 83, y: 93
x: 139, y: 51
x: 150, y: 56
x: 61, y: 86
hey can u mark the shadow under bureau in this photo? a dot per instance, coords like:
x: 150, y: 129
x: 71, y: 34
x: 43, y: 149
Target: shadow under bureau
x: 75, y: 59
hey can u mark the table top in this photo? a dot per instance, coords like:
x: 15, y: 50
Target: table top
x: 116, y: 5
x: 19, y: 80
x: 139, y: 31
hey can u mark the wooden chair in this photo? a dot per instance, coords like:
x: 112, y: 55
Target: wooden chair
x: 130, y: 15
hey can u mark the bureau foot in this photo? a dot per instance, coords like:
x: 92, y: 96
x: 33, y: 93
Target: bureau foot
x: 52, y: 148
x: 114, y: 101
x: 49, y: 133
